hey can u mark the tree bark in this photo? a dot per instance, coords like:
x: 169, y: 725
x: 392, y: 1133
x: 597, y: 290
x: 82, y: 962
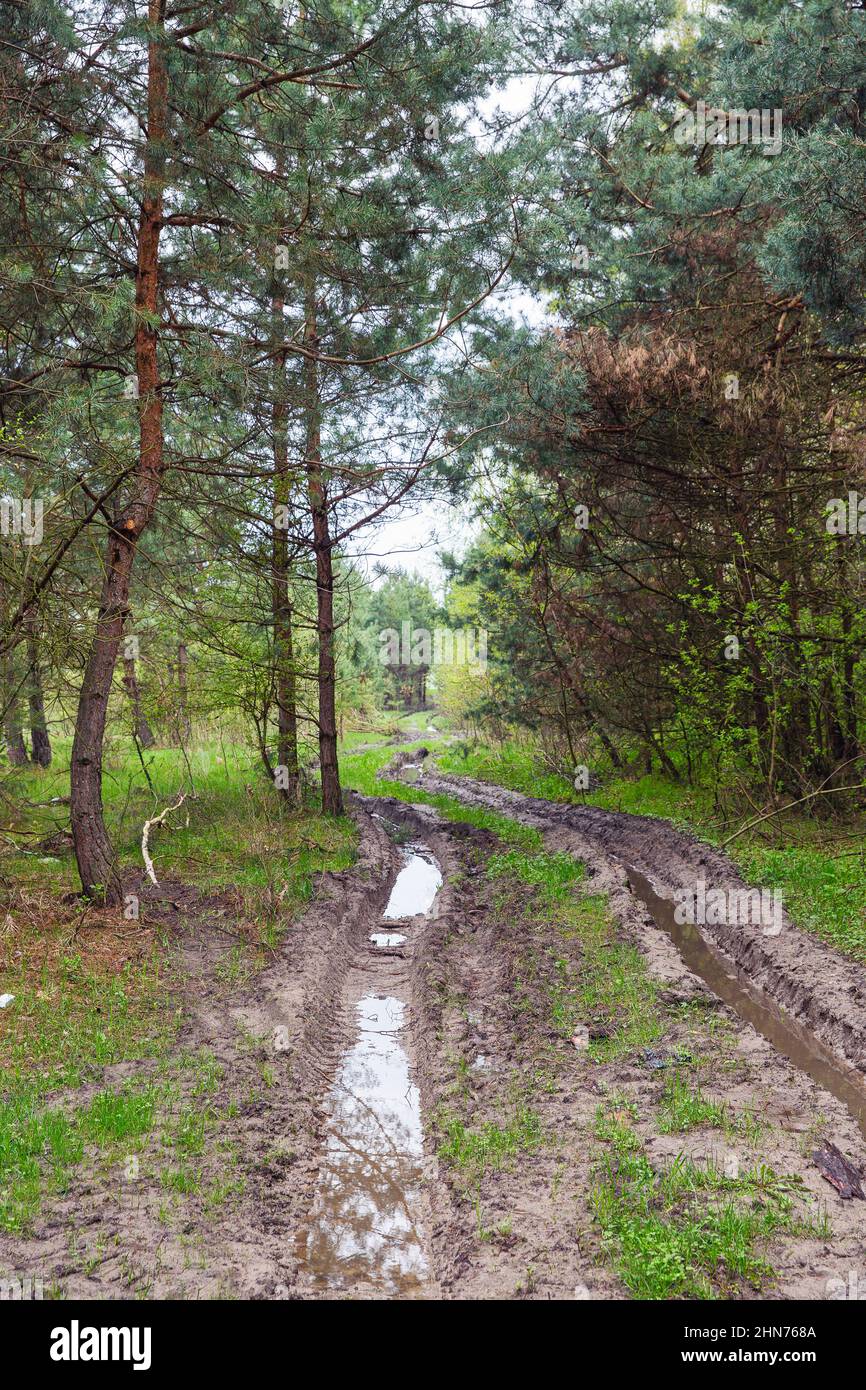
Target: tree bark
x: 285, y: 680
x: 332, y: 796
x: 16, y: 750
x: 97, y: 864
x: 140, y: 726
x: 39, y: 740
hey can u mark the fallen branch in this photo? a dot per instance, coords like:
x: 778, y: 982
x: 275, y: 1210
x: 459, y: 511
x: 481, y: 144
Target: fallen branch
x: 778, y: 810
x: 156, y: 820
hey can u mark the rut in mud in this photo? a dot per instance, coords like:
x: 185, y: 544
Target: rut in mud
x: 433, y: 1121
x: 367, y: 1233
x: 822, y: 989
x: 787, y: 1035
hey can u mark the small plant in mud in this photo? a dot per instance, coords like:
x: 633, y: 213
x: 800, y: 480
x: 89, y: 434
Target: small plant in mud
x: 688, y: 1231
x: 474, y: 1152
x: 685, y: 1107
x: 500, y: 1232
x: 183, y: 1180
x: 236, y: 966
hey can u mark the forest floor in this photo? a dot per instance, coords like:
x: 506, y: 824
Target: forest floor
x: 258, y: 1089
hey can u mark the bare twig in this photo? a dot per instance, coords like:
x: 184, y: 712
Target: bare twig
x: 156, y: 820
x: 777, y: 811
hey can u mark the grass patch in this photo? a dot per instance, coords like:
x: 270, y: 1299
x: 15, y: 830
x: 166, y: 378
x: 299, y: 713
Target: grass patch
x: 40, y: 1145
x: 684, y: 1107
x: 76, y: 1011
x: 688, y: 1232
x: 233, y: 830
x: 552, y: 874
x: 595, y: 980
x: 610, y: 987
x: 475, y: 1152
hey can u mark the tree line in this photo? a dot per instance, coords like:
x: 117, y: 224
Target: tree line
x: 262, y: 283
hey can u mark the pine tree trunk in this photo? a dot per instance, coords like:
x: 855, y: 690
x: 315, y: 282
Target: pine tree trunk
x: 184, y: 726
x: 13, y: 738
x: 140, y: 725
x: 332, y: 796
x: 16, y: 750
x: 97, y: 864
x: 285, y: 680
x: 40, y: 742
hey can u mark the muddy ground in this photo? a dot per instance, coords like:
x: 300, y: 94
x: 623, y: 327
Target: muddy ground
x: 816, y: 984
x: 477, y: 976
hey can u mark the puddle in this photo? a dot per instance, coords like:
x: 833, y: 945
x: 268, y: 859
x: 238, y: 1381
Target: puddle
x: 363, y: 1231
x: 410, y: 772
x: 789, y: 1037
x: 363, y: 1226
x: 416, y: 885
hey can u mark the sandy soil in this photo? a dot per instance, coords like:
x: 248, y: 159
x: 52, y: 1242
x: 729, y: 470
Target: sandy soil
x: 476, y: 978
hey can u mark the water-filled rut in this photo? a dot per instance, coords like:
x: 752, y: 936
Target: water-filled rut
x: 803, y: 997
x: 365, y: 1232
x: 796, y: 1042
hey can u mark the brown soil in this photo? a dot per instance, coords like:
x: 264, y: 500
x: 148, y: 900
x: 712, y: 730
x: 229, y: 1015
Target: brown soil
x: 820, y: 987
x: 476, y: 976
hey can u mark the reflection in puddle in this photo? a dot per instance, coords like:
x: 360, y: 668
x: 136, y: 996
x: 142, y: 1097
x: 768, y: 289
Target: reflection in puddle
x: 417, y: 884
x: 363, y: 1233
x: 363, y: 1222
x: 387, y: 938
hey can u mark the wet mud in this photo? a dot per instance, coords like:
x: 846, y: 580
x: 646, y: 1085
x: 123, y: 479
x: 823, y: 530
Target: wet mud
x: 825, y: 991
x: 403, y: 1021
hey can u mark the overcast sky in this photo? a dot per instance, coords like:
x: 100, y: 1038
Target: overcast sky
x: 413, y: 535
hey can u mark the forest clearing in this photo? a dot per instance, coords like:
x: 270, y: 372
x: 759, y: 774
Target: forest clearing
x: 433, y: 660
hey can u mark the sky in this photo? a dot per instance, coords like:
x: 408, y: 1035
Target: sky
x: 412, y: 536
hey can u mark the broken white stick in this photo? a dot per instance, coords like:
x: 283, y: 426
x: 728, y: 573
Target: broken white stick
x: 156, y: 820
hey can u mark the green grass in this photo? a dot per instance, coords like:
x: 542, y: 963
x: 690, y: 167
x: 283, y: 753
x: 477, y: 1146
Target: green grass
x: 360, y: 773
x: 822, y: 881
x: 512, y: 765
x: 41, y: 1144
x: 684, y: 1106
x: 553, y: 875
x: 595, y: 979
x: 476, y: 1151
x: 689, y: 1231
x: 232, y: 831
x: 824, y: 892
x: 69, y: 1019
x: 611, y: 985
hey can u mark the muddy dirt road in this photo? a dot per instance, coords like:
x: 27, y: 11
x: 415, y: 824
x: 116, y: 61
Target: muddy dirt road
x: 818, y: 986
x: 476, y: 1071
